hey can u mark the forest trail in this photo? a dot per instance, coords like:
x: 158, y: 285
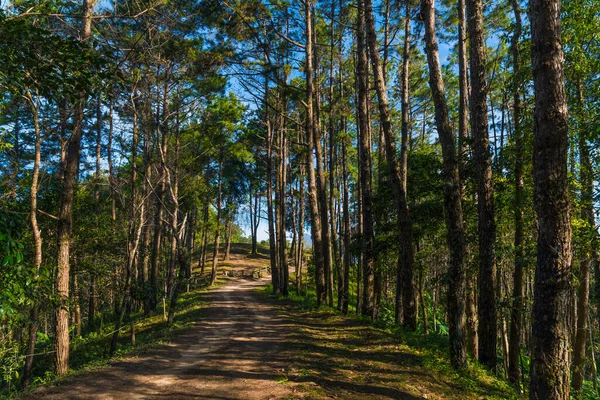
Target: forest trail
x: 232, y: 353
x: 249, y: 346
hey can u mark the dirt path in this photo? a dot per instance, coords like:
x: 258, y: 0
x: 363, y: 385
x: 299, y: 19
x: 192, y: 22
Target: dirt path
x: 247, y: 346
x: 232, y: 353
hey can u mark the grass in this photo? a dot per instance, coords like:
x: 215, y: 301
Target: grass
x: 352, y: 356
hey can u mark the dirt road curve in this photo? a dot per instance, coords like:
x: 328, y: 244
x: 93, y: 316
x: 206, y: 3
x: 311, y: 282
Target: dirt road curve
x: 231, y: 354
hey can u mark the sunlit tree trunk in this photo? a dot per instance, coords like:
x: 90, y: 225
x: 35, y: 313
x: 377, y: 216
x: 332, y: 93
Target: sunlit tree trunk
x: 35, y: 233
x: 215, y: 260
x: 300, y: 256
x: 269, y: 164
x: 65, y: 217
x: 202, y: 258
x: 229, y: 231
x: 134, y: 234
x: 284, y: 271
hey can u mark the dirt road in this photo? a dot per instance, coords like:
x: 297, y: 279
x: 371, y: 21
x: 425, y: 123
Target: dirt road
x: 231, y: 354
x: 246, y: 346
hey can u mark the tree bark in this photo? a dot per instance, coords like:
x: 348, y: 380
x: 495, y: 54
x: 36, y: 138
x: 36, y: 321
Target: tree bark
x: 336, y: 265
x: 300, y: 257
x: 322, y: 186
x: 487, y: 328
x: 202, y: 259
x: 228, y: 237
x: 270, y: 215
x: 36, y: 236
x: 452, y: 195
x: 550, y: 332
x: 317, y: 232
x: 160, y: 196
x: 368, y: 272
x: 516, y: 320
x: 134, y: 237
x: 215, y: 260
x: 65, y: 218
x: 397, y: 171
x: 284, y: 271
x: 92, y: 287
x: 463, y: 136
x: 346, y: 211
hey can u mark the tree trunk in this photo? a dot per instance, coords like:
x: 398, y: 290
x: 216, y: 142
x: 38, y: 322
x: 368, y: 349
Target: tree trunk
x: 463, y: 105
x: 76, y: 317
x: 173, y: 185
x: 131, y: 254
x: 423, y: 305
x: 550, y: 333
x: 254, y: 220
x: 215, y: 260
x: 516, y: 320
x: 92, y: 287
x: 346, y: 211
x: 228, y: 238
x: 487, y: 328
x: 65, y: 218
x: 463, y: 127
x: 322, y: 187
x: 300, y: 256
x: 134, y: 238
x: 336, y: 265
x: 397, y: 171
x: 269, y: 184
x: 202, y: 259
x: 159, y: 206
x: 183, y: 236
x: 284, y: 271
x: 145, y: 279
x: 368, y: 273
x: 452, y: 195
x: 190, y: 242
x: 317, y: 232
x: 36, y: 236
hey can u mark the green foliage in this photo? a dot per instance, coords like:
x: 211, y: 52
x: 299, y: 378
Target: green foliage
x: 11, y: 362
x: 14, y: 274
x: 55, y: 66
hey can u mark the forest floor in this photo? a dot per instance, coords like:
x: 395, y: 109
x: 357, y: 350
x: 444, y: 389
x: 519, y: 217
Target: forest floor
x: 248, y: 345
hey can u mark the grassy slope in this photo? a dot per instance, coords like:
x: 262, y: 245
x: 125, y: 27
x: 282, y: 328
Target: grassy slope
x: 346, y: 356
